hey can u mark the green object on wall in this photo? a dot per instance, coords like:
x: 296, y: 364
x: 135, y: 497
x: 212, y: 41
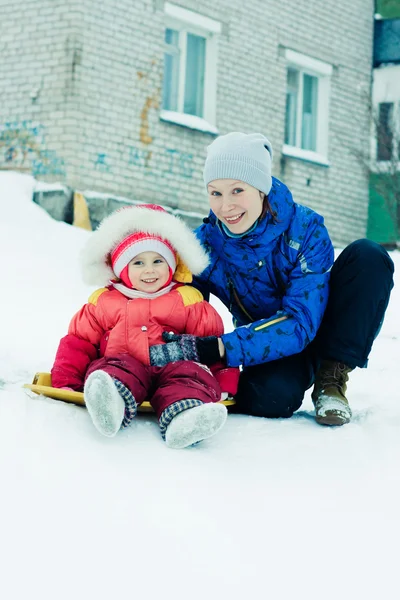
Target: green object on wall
x: 388, y: 9
x: 382, y: 215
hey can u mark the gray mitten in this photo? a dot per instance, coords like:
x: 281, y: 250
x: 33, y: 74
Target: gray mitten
x: 204, y: 350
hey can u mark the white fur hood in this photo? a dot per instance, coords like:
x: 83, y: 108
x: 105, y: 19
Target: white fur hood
x: 95, y: 256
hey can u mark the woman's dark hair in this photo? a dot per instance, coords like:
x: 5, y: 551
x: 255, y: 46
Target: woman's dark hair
x: 267, y: 209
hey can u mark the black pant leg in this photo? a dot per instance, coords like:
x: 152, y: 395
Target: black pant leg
x: 360, y: 285
x: 275, y: 389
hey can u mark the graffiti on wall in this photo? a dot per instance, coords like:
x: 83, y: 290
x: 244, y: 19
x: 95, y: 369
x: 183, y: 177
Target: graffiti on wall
x: 139, y: 157
x: 102, y: 162
x: 177, y: 163
x: 48, y: 163
x: 23, y: 146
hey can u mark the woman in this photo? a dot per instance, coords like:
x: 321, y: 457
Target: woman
x: 300, y: 318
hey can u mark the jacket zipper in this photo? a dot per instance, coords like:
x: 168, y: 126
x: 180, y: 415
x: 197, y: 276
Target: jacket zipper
x: 248, y: 315
x: 238, y: 301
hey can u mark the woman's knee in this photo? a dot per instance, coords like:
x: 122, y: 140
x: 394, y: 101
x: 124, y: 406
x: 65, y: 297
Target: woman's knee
x: 275, y: 389
x: 274, y: 406
x: 270, y: 401
x: 369, y: 252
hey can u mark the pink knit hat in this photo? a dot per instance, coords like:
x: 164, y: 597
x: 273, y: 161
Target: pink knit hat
x: 134, y: 229
x: 139, y: 242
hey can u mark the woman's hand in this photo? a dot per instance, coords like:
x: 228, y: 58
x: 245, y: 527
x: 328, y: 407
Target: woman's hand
x: 205, y: 350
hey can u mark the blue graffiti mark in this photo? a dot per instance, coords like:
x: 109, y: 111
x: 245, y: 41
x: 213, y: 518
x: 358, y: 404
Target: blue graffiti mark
x: 139, y: 157
x: 23, y: 144
x: 48, y: 164
x: 10, y: 154
x: 171, y: 154
x: 180, y: 163
x: 102, y: 162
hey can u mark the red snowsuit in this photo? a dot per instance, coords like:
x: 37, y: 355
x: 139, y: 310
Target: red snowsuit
x: 113, y: 333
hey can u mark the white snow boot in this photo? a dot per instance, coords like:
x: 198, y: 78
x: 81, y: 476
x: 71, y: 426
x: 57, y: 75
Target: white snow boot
x: 104, y: 403
x: 195, y: 424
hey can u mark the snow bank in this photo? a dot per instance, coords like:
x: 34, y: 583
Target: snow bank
x: 279, y: 509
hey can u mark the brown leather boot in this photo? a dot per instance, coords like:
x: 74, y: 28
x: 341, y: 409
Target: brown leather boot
x: 329, y: 394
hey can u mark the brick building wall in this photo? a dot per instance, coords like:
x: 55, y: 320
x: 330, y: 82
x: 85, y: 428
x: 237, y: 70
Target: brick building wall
x: 80, y: 95
x: 38, y: 60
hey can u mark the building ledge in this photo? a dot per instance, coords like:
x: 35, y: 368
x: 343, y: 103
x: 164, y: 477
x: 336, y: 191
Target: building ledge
x: 386, y: 167
x: 189, y: 121
x: 306, y: 155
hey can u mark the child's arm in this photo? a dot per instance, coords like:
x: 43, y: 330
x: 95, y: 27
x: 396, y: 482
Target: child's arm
x: 73, y: 358
x: 79, y: 348
x: 202, y: 318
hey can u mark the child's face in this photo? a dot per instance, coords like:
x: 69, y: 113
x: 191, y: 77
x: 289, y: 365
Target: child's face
x: 148, y: 272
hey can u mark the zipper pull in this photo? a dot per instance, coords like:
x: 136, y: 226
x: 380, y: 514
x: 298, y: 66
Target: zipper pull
x: 260, y: 263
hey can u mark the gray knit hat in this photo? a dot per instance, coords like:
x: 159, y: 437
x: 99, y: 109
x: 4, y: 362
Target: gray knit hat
x: 241, y: 156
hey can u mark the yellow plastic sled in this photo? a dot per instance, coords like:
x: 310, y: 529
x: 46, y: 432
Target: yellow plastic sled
x: 41, y: 385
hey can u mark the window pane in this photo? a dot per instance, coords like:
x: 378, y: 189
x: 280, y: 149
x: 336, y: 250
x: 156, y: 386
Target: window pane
x: 172, y: 37
x: 171, y: 71
x: 194, y: 82
x: 309, y: 117
x: 292, y: 90
x: 385, y: 131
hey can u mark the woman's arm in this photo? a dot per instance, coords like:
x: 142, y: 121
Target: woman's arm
x: 199, y: 341
x: 293, y: 327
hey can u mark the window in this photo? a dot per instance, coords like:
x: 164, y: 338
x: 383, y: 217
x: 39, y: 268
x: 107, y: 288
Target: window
x: 307, y: 101
x: 189, y: 84
x: 188, y: 55
x: 385, y: 131
x: 301, y: 85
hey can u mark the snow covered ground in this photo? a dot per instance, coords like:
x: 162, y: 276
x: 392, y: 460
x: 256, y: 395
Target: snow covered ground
x: 279, y: 509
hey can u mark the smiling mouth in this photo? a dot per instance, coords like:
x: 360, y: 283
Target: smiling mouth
x: 234, y: 219
x: 149, y: 280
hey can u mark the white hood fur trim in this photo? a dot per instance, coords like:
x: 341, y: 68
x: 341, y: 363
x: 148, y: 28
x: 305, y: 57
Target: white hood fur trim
x: 117, y: 226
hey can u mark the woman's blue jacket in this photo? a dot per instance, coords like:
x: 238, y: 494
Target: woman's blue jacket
x: 273, y: 280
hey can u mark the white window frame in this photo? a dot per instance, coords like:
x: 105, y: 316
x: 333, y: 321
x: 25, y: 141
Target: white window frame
x: 186, y: 21
x: 323, y: 71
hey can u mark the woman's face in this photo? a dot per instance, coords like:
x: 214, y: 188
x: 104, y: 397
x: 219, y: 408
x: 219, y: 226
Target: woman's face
x: 237, y: 204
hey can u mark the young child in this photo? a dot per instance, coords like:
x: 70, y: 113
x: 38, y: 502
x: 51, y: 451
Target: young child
x: 144, y: 256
